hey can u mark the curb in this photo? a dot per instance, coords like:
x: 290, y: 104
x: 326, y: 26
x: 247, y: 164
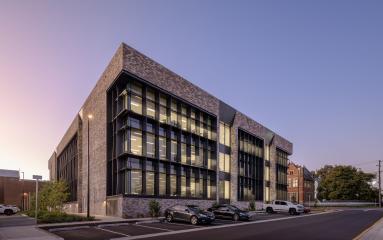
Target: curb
x: 51, y: 226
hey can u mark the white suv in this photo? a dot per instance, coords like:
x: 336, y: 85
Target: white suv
x: 8, y: 210
x: 284, y: 206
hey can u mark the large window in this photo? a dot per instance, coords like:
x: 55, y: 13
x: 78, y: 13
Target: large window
x: 162, y: 145
x: 173, y: 156
x: 136, y: 104
x: 67, y: 167
x: 192, y: 121
x: 211, y: 186
x: 133, y: 177
x: 193, y: 179
x: 162, y: 179
x: 183, y: 153
x: 224, y: 189
x: 150, y: 178
x: 184, y: 119
x: 193, y: 148
x: 183, y: 182
x: 136, y: 141
x: 224, y: 134
x: 224, y: 162
x: 150, y: 145
x: 173, y: 181
x: 281, y: 174
x: 250, y: 167
x: 150, y: 103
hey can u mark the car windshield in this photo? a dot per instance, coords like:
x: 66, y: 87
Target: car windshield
x: 233, y: 208
x: 195, y: 209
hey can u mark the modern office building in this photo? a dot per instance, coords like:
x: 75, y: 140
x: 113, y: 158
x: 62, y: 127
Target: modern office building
x: 301, y: 184
x: 147, y: 133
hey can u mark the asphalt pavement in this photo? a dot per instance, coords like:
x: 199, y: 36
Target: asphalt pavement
x: 340, y: 225
x: 16, y: 220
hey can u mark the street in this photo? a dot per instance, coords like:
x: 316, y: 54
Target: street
x: 343, y: 224
x: 339, y: 225
x: 16, y: 220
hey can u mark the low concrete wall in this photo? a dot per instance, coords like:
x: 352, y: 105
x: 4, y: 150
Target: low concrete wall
x: 139, y: 207
x: 71, y: 207
x: 114, y: 206
x: 245, y: 205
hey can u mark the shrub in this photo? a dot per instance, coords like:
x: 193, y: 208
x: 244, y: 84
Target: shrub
x: 154, y: 208
x: 57, y: 217
x: 252, y: 206
x: 215, y: 205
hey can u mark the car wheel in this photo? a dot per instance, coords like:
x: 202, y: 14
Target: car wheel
x: 292, y: 211
x: 194, y: 220
x: 235, y: 217
x: 269, y: 210
x: 8, y: 212
x: 169, y: 218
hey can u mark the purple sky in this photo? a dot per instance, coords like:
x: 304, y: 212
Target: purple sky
x: 310, y: 70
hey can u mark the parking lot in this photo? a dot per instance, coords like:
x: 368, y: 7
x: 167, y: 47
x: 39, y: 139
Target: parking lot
x: 131, y: 229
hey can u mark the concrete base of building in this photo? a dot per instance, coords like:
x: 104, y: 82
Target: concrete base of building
x: 245, y: 205
x: 139, y: 207
x: 71, y: 207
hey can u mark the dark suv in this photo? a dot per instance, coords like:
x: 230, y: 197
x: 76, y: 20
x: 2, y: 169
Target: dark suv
x: 188, y: 213
x: 226, y: 211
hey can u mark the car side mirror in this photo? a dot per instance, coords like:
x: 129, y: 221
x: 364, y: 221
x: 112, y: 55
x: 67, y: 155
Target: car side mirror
x: 187, y: 210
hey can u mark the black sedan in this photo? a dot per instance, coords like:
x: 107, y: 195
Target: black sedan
x: 227, y: 211
x: 188, y: 213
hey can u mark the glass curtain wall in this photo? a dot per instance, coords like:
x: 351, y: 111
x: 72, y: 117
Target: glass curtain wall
x: 159, y: 145
x: 251, y: 167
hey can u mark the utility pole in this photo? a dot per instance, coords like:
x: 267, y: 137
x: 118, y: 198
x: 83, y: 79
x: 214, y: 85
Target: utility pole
x: 380, y: 185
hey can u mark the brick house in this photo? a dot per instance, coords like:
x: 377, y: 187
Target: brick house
x: 301, y: 187
x: 16, y: 191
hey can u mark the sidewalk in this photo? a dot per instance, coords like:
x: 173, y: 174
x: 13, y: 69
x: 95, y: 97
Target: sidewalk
x: 375, y: 232
x: 36, y: 232
x: 26, y: 233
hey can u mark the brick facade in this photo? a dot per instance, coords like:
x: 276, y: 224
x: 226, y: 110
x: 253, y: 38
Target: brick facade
x: 300, y: 184
x: 12, y: 191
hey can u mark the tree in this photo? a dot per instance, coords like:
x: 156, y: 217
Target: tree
x: 53, y: 195
x: 345, y: 183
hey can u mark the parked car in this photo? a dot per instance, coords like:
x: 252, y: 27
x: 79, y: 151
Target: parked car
x: 284, y: 206
x: 8, y: 210
x: 227, y: 211
x: 189, y: 213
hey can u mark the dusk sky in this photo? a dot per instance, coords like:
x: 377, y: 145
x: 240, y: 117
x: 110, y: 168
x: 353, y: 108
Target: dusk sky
x: 312, y: 71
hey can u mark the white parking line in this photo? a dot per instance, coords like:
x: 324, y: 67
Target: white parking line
x: 215, y: 227
x: 67, y: 228
x: 107, y: 230
x: 162, y: 229
x: 113, y: 225
x: 181, y: 224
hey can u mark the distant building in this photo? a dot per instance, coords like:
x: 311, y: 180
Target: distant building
x: 15, y: 191
x: 301, y: 187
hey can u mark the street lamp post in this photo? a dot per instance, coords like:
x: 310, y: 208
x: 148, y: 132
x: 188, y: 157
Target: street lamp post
x: 22, y: 194
x: 88, y: 195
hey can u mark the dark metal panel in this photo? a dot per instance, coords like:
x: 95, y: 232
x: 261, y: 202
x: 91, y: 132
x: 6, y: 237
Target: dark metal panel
x: 226, y: 113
